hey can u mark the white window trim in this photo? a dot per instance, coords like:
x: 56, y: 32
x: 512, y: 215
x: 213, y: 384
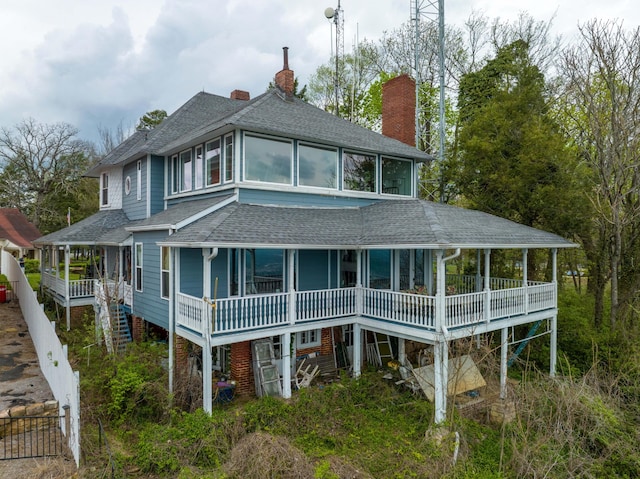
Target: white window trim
x: 162, y: 271
x: 181, y: 186
x: 309, y: 344
x: 103, y: 189
x: 319, y: 147
x: 139, y: 180
x: 266, y: 137
x: 141, y: 267
x: 377, y: 175
x: 221, y: 172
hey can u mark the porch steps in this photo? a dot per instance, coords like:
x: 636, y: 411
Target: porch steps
x: 524, y: 343
x: 121, y: 335
x: 265, y: 370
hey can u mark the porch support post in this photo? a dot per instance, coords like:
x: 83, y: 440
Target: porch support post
x: 172, y: 325
x: 207, y: 360
x: 487, y: 284
x: 67, y: 295
x: 285, y: 340
x: 441, y: 379
x: 525, y: 279
x: 428, y: 271
x: 357, y: 349
x: 440, y: 290
x: 402, y: 352
x: 291, y: 286
x: 478, y: 271
x: 359, y: 298
x: 412, y: 269
x: 553, y: 347
x: 504, y: 352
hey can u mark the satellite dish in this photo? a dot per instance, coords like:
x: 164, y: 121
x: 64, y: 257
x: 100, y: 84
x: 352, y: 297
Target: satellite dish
x: 329, y: 12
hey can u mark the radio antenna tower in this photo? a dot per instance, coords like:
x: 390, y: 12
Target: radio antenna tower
x: 337, y: 16
x: 434, y: 11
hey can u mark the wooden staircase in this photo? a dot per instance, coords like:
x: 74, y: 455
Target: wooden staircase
x: 121, y: 334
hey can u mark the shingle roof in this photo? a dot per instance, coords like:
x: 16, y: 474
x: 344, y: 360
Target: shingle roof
x: 16, y: 227
x: 270, y: 112
x: 397, y: 223
x: 104, y: 227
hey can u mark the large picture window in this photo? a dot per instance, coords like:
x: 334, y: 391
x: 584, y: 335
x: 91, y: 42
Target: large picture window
x: 317, y: 166
x: 213, y: 162
x: 267, y: 160
x: 396, y: 177
x: 186, y: 169
x: 264, y: 271
x: 359, y: 172
x: 138, y: 266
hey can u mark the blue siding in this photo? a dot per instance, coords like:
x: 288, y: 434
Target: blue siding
x: 333, y: 263
x: 191, y: 264
x: 148, y: 304
x: 313, y: 270
x: 219, y: 269
x: 135, y: 208
x: 156, y: 185
x: 299, y: 199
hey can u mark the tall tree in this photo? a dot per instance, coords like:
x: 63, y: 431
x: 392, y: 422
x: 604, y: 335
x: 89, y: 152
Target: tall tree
x: 151, y: 119
x: 39, y: 162
x: 602, y: 101
x: 513, y: 160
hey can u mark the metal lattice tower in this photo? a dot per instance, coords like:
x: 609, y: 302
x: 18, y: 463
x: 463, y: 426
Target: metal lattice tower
x: 337, y: 16
x: 431, y: 10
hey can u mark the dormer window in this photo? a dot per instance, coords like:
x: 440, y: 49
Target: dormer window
x: 104, y: 189
x: 213, y: 162
x: 359, y: 172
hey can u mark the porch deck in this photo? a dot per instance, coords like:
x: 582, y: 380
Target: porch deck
x: 419, y: 312
x: 83, y: 291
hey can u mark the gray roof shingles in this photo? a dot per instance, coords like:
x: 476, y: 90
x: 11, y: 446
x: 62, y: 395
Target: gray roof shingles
x: 104, y: 227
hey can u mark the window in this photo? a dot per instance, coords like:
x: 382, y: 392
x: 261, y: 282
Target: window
x: 164, y: 268
x: 380, y: 269
x: 317, y: 166
x: 264, y: 271
x: 198, y: 167
x: 138, y: 266
x: 359, y: 172
x: 175, y: 174
x: 186, y: 170
x: 104, y: 196
x: 396, y: 177
x: 127, y: 185
x: 309, y: 339
x: 228, y: 158
x: 213, y: 162
x: 139, y: 181
x: 267, y: 160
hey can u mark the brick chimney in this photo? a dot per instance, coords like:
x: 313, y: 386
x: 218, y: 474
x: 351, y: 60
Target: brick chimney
x: 399, y: 109
x: 284, y: 78
x: 240, y: 95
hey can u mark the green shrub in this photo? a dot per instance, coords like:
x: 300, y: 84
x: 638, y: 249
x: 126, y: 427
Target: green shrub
x: 31, y: 266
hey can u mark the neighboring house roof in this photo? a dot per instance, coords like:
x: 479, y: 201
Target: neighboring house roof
x: 270, y: 112
x: 16, y: 228
x: 409, y: 223
x: 104, y: 227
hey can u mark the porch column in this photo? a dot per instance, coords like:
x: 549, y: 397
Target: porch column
x: 357, y: 349
x: 412, y: 268
x: 504, y: 352
x: 207, y: 361
x: 440, y: 379
x: 359, y: 294
x: 67, y: 295
x: 428, y: 271
x: 291, y: 287
x: 478, y: 271
x: 440, y: 290
x: 172, y: 325
x: 285, y: 340
x: 402, y: 352
x: 553, y: 346
x: 525, y: 274
x: 487, y: 284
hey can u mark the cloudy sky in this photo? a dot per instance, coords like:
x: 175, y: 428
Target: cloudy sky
x: 104, y: 63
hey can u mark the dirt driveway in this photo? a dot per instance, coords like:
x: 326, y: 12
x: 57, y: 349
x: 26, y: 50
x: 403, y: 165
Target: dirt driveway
x: 21, y: 382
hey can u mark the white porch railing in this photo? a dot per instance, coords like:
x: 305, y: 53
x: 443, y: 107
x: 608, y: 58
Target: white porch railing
x: 325, y: 303
x: 251, y: 312
x: 411, y: 309
x: 78, y: 288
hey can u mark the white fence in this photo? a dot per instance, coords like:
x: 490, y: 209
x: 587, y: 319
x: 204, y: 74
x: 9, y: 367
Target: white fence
x: 52, y: 355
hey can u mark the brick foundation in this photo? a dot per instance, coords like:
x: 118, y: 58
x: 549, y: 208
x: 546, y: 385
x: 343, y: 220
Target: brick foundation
x: 182, y: 353
x: 241, y: 368
x: 137, y: 328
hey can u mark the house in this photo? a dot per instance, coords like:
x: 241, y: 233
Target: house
x: 17, y: 234
x: 257, y: 231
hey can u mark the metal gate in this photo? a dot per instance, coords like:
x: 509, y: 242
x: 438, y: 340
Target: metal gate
x: 30, y: 436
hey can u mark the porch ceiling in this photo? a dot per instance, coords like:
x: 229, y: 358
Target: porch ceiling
x: 409, y: 223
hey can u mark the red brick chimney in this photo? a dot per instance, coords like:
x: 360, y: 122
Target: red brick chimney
x: 240, y: 95
x: 399, y: 109
x: 284, y: 78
